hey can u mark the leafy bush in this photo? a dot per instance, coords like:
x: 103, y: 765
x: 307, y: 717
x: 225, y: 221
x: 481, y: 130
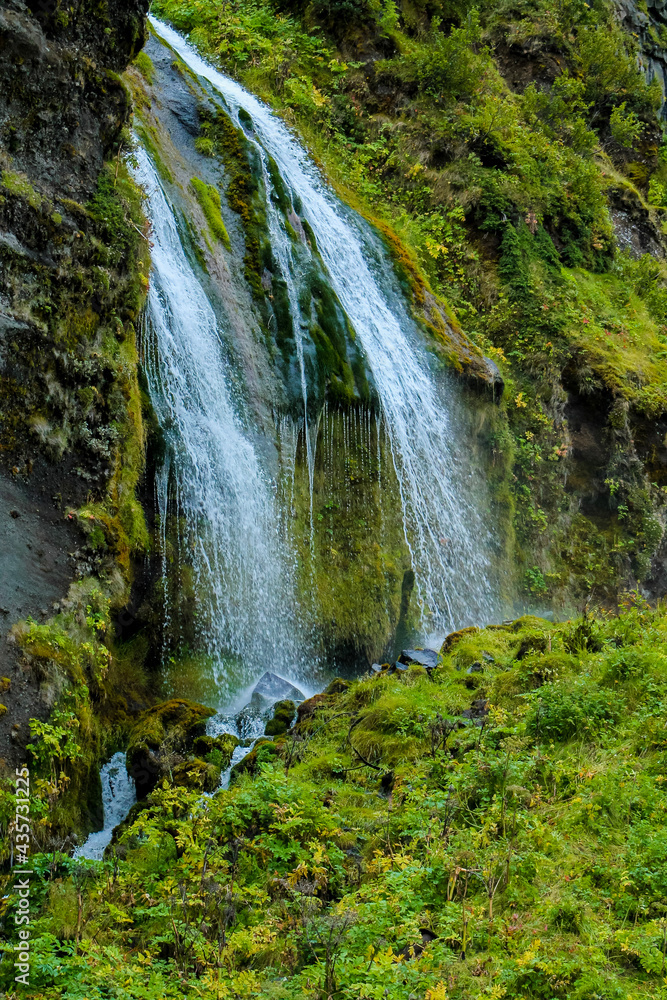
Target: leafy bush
x: 449, y: 69
x: 626, y: 128
x: 562, y: 711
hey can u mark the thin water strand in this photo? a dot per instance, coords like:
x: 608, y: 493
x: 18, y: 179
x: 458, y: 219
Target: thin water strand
x: 118, y: 796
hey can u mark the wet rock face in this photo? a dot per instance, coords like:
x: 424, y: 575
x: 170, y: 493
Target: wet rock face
x: 61, y: 104
x: 647, y: 22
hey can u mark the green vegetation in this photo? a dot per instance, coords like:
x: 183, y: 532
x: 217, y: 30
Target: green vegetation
x: 20, y: 186
x: 209, y: 200
x: 497, y: 196
x: 495, y: 829
x: 145, y: 66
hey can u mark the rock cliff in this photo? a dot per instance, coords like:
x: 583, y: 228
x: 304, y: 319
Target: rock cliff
x: 70, y: 291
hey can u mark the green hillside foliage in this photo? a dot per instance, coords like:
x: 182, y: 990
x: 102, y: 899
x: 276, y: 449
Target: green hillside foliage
x: 493, y: 140
x: 400, y: 843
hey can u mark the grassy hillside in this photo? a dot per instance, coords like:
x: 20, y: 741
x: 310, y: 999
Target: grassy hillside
x: 511, y: 147
x: 495, y: 829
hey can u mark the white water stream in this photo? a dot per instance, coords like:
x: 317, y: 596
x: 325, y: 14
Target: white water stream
x: 444, y: 527
x: 224, y: 502
x: 118, y: 796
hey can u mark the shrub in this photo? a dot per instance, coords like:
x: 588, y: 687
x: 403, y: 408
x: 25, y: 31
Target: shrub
x: 450, y: 69
x: 560, y: 712
x: 626, y: 128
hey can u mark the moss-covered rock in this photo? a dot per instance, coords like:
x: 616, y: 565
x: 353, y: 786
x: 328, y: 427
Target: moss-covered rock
x: 161, y: 737
x: 264, y: 751
x: 283, y: 716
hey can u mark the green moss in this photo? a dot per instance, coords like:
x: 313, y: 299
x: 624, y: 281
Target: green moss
x: 383, y: 799
x: 283, y: 716
x: 357, y: 575
x: 144, y: 64
x: 150, y: 139
x: 209, y: 200
x: 18, y: 185
x: 243, y: 191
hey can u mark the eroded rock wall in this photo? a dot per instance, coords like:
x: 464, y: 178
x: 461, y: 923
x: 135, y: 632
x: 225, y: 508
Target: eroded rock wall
x: 70, y: 293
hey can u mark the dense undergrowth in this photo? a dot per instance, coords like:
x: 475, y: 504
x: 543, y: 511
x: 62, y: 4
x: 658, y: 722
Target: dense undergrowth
x: 503, y: 198
x: 495, y: 829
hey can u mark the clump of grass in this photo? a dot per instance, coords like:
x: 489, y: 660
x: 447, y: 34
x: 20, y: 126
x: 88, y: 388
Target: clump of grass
x: 144, y: 64
x: 205, y: 146
x: 19, y: 185
x: 209, y: 200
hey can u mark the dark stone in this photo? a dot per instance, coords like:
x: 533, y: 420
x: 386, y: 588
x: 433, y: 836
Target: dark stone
x: 477, y: 711
x: 61, y: 107
x: 387, y: 782
x: 424, y: 657
x: 475, y: 668
x: 487, y: 656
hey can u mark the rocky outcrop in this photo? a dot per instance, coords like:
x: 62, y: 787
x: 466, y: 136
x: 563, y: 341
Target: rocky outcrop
x: 61, y: 100
x: 169, y: 741
x: 647, y: 22
x: 70, y: 292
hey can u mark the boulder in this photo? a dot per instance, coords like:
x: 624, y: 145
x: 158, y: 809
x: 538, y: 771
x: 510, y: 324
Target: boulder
x: 263, y: 752
x: 455, y: 637
x: 308, y: 708
x: 161, y: 738
x: 424, y: 657
x: 477, y: 711
x: 337, y: 686
x: 271, y: 688
x: 283, y: 717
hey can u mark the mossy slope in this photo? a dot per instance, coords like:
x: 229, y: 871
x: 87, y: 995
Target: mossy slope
x: 494, y: 829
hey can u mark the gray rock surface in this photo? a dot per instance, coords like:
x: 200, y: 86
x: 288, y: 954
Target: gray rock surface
x: 271, y: 688
x: 649, y: 27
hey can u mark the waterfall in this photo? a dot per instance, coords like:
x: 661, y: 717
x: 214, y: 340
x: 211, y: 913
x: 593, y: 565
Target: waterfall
x: 211, y: 482
x: 445, y: 528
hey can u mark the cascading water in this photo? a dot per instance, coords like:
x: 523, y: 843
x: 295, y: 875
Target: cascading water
x: 118, y: 796
x: 444, y: 528
x: 229, y: 533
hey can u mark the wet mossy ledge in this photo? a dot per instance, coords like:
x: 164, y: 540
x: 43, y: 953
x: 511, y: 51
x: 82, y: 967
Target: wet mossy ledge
x: 169, y: 741
x: 335, y: 368
x: 493, y: 825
